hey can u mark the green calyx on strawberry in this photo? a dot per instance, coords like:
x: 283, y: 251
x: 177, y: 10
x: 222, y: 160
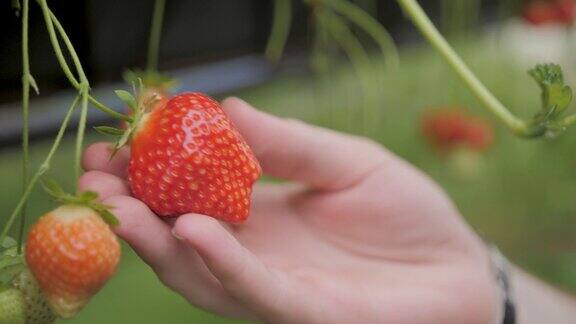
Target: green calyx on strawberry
x: 137, y: 110
x: 556, y: 98
x: 86, y: 198
x: 150, y: 79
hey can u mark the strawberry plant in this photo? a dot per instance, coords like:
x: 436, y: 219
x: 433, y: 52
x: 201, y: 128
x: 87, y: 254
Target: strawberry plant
x: 76, y: 238
x: 556, y: 95
x: 329, y: 14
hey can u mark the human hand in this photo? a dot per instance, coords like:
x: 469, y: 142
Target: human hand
x: 356, y: 236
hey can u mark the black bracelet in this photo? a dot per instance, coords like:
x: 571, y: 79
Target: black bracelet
x: 501, y: 270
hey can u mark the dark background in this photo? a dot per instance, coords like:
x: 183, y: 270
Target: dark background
x: 111, y: 36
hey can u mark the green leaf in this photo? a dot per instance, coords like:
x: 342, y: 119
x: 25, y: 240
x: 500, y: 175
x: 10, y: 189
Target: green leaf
x: 53, y: 188
x: 127, y: 98
x: 8, y: 274
x: 33, y: 84
x: 123, y: 140
x: 107, y: 216
x: 11, y: 263
x: 8, y: 243
x: 107, y: 130
x: 556, y: 95
x: 88, y: 196
x: 7, y: 261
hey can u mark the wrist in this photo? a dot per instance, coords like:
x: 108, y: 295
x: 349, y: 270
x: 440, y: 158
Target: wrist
x: 501, y: 271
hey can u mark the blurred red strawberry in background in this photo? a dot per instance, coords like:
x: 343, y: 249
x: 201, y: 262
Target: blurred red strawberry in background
x: 461, y: 138
x: 451, y: 128
x: 566, y: 11
x: 543, y: 12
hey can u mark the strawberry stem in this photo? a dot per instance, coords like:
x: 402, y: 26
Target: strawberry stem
x: 429, y: 31
x: 51, y: 22
x: 155, y: 35
x: 280, y: 30
x: 41, y: 170
x: 81, y: 131
x: 357, y: 55
x: 83, y: 86
x: 25, y: 117
x: 371, y: 26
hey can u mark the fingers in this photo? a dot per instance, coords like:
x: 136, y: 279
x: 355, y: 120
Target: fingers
x: 176, y: 265
x: 241, y: 274
x: 97, y: 157
x: 104, y: 184
x: 301, y: 152
x: 143, y: 230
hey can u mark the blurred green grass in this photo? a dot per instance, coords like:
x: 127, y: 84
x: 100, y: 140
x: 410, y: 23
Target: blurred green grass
x: 523, y: 199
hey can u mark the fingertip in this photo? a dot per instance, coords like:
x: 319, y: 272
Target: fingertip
x: 199, y: 230
x: 90, y: 158
x: 221, y: 252
x: 133, y: 215
x: 104, y: 184
x: 239, y: 111
x: 99, y: 157
x: 232, y: 103
x: 143, y: 230
x: 232, y: 264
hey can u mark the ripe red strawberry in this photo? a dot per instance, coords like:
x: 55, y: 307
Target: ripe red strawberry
x: 480, y: 135
x: 566, y: 11
x: 449, y: 129
x: 187, y: 157
x: 445, y: 129
x: 72, y: 253
x: 540, y: 12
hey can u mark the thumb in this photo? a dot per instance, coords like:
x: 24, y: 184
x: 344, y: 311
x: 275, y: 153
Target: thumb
x: 297, y: 151
x: 239, y: 271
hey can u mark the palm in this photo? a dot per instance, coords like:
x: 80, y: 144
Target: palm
x: 327, y: 237
x: 378, y: 217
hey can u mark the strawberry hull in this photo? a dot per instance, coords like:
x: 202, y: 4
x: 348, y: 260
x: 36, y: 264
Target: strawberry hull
x: 187, y: 157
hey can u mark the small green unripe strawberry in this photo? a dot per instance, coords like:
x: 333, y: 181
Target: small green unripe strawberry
x: 37, y: 309
x: 12, y: 307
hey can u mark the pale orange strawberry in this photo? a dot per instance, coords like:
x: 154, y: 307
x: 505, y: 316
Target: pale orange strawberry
x: 72, y: 253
